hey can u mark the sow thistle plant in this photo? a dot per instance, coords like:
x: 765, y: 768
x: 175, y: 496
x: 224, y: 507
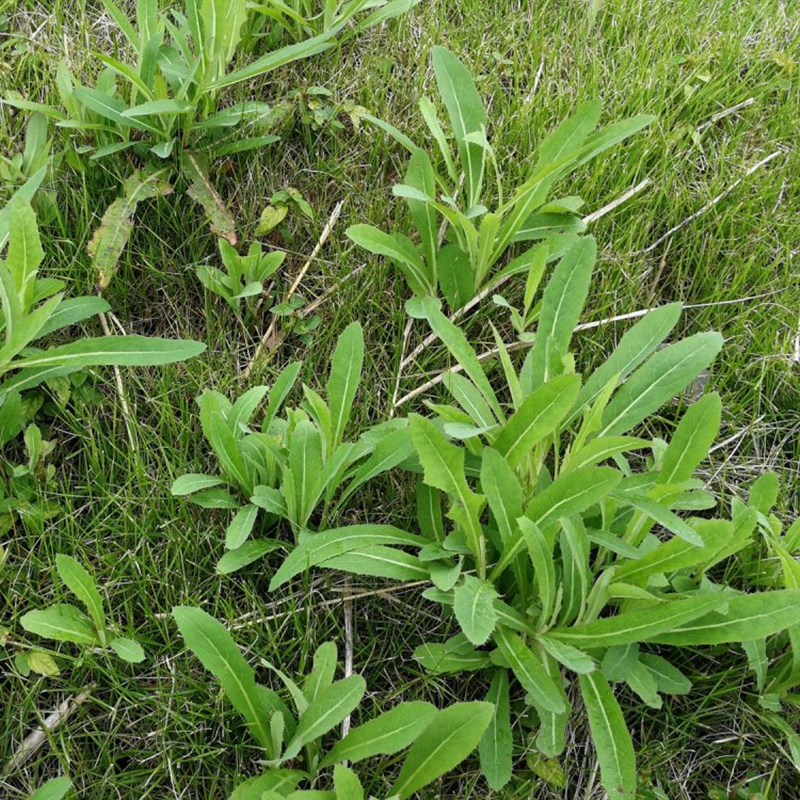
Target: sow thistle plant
x: 573, y: 550
x: 64, y: 622
x: 295, y: 742
x: 164, y: 108
x: 297, y: 467
x: 465, y: 220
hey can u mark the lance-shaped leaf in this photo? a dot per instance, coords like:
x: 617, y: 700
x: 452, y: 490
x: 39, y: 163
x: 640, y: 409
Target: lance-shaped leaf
x: 62, y: 622
x: 211, y: 642
x: 24, y: 253
x: 322, y: 547
x: 331, y: 705
x: 203, y: 192
x: 647, y: 624
x: 345, y: 375
x: 692, y: 439
x: 529, y: 671
x: 445, y: 743
x: 387, y: 734
x: 496, y: 746
x: 746, y: 617
x: 610, y: 736
x: 562, y: 304
x: 661, y: 377
x: 467, y: 115
x: 127, y: 649
x: 473, y: 604
x: 537, y: 417
x: 110, y: 238
x: 82, y: 585
x: 54, y: 789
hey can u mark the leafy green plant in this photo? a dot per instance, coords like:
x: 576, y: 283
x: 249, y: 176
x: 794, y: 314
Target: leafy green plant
x: 298, y: 466
x: 556, y: 565
x: 67, y: 623
x: 245, y: 276
x: 167, y: 110
x: 438, y: 740
x: 54, y: 789
x: 299, y: 19
x: 479, y: 220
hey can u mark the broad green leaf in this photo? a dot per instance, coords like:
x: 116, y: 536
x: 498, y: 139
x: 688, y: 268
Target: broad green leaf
x: 575, y: 572
x: 610, y: 735
x: 245, y: 554
x: 764, y: 492
x: 562, y: 304
x: 692, y: 439
x: 529, y: 671
x: 211, y: 642
x: 400, y: 249
x: 331, y: 706
x: 747, y: 617
x: 83, y: 586
x: 420, y: 176
x: 238, y: 532
x: 127, y: 649
x: 443, y: 467
x: 345, y: 375
x: 54, y: 789
x: 111, y: 236
x: 123, y: 351
x: 444, y: 744
x: 496, y: 745
x: 167, y: 106
x: 24, y: 254
x: 387, y: 734
x: 503, y: 492
x: 647, y: 624
x: 540, y: 552
x: 275, y: 782
x: 193, y: 482
x: 569, y: 136
x: 271, y: 500
x: 537, y: 417
x: 213, y: 418
x: 380, y: 562
x: 572, y: 658
x: 633, y: 348
x: 669, y: 679
x: 661, y: 515
x: 62, y: 622
x: 455, y: 655
x: 322, y: 547
x: 619, y: 660
x: 72, y: 310
x: 321, y: 675
x: 305, y: 462
x: 473, y: 604
x: 467, y: 115
x: 644, y: 684
x: 658, y: 380
x: 677, y: 553
x: 347, y: 784
x: 601, y: 449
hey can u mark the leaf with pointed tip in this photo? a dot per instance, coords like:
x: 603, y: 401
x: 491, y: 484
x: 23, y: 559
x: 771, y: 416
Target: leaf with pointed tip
x: 445, y: 743
x: 610, y: 735
x: 127, y: 649
x: 387, y: 734
x: 54, y: 789
x: 345, y: 375
x: 193, y: 482
x: 62, y: 622
x: 245, y: 554
x: 83, y: 586
x: 473, y: 604
x: 692, y: 439
x: 496, y: 746
x: 203, y: 192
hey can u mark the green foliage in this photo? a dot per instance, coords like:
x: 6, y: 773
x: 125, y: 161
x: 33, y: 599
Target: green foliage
x: 568, y: 550
x: 298, y: 466
x: 438, y: 740
x: 245, y: 277
x: 465, y: 221
x: 67, y: 623
x: 300, y: 19
x: 54, y: 789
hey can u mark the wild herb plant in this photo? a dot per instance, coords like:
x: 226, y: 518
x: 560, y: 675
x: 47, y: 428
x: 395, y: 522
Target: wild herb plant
x: 67, y: 623
x: 298, y: 466
x: 167, y: 111
x: 244, y: 280
x: 300, y: 19
x: 461, y: 194
x: 438, y: 740
x: 54, y: 789
x: 573, y: 550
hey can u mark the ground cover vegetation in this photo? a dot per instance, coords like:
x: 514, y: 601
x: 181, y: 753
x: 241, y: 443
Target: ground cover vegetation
x: 445, y: 444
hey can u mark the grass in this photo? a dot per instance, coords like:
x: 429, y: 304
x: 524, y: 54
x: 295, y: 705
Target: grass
x: 161, y: 730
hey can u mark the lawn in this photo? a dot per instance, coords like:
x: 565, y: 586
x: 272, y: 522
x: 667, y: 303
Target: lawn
x: 713, y: 223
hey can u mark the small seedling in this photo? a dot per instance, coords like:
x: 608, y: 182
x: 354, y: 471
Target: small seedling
x: 438, y: 740
x: 67, y: 623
